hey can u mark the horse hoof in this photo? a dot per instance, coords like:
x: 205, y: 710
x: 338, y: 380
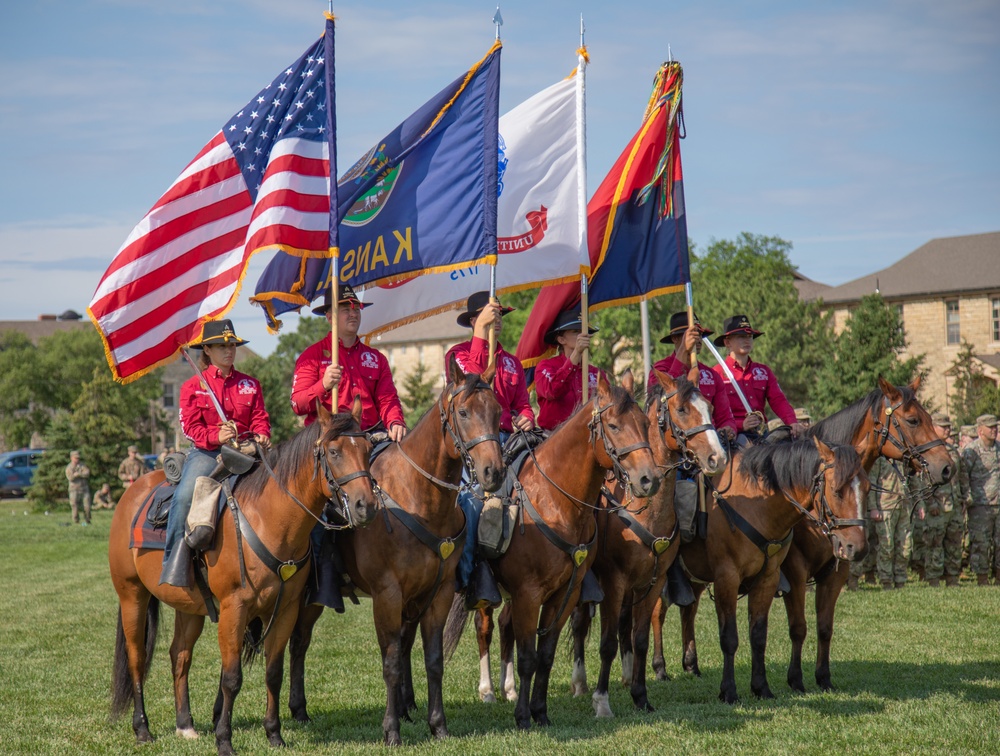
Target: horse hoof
x: 393, y: 739
x: 225, y: 749
x: 602, y: 708
x: 661, y: 674
x: 764, y: 694
x: 577, y: 689
x: 542, y: 720
x: 523, y: 724
x: 188, y: 733
x: 301, y: 716
x: 143, y: 737
x: 488, y: 697
x: 728, y: 697
x: 276, y: 741
x: 511, y: 694
x: 797, y: 686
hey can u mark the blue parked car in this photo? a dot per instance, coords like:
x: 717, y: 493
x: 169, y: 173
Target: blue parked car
x: 17, y: 469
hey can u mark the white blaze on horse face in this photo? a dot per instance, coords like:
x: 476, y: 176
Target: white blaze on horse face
x: 858, y: 498
x: 701, y: 405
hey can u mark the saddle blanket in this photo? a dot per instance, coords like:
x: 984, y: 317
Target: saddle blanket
x: 149, y: 526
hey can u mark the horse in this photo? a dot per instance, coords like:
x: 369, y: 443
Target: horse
x: 553, y: 546
x: 750, y: 522
x: 256, y: 570
x: 634, y: 549
x: 408, y: 566
x: 888, y: 421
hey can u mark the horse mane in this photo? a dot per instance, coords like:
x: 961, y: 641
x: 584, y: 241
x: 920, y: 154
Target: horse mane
x: 839, y: 427
x: 621, y: 400
x: 794, y: 464
x: 287, y: 457
x: 684, y: 391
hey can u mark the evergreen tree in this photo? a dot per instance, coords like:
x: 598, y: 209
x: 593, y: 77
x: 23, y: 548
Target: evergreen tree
x: 417, y: 394
x: 49, y: 487
x: 869, y: 346
x: 974, y: 393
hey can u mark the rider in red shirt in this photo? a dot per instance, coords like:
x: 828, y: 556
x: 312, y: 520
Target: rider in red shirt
x: 686, y: 340
x: 242, y: 401
x: 363, y: 371
x: 759, y: 384
x: 559, y: 379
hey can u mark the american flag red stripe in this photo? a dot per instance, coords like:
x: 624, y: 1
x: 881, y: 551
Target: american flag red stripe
x: 261, y: 182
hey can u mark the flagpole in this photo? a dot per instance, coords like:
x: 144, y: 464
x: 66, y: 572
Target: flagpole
x: 497, y: 22
x: 644, y: 316
x: 334, y: 246
x: 690, y: 305
x: 581, y: 191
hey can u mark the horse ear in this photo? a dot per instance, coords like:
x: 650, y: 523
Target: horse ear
x: 915, y: 383
x: 693, y: 375
x: 888, y: 389
x: 603, y: 387
x: 665, y: 380
x: 628, y: 380
x: 825, y: 452
x: 356, y: 408
x: 490, y: 371
x: 455, y: 373
x: 323, y: 415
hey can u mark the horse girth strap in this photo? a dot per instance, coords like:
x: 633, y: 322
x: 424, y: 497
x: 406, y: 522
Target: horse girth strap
x: 656, y: 544
x: 442, y: 547
x: 768, y: 547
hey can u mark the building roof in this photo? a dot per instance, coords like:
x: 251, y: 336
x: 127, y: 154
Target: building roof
x: 440, y: 327
x: 809, y: 289
x: 941, y: 266
x: 46, y: 326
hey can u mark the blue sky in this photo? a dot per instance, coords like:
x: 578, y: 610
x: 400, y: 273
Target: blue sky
x: 855, y: 130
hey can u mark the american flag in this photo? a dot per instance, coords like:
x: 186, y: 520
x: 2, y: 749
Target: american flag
x: 262, y: 182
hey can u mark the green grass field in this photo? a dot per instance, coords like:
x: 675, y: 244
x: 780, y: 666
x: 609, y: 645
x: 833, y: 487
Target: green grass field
x: 917, y: 671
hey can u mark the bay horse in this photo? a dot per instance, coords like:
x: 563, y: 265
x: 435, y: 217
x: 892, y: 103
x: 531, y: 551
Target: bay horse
x: 552, y: 547
x: 408, y: 566
x: 635, y: 548
x: 256, y: 570
x: 770, y: 489
x: 888, y: 421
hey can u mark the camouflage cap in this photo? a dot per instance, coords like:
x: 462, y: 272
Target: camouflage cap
x: 969, y: 430
x: 801, y: 413
x: 990, y: 421
x: 75, y: 453
x: 939, y: 418
x: 774, y: 424
x: 134, y: 449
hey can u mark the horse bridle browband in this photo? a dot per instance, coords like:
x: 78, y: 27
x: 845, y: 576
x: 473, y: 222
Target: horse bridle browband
x: 908, y: 452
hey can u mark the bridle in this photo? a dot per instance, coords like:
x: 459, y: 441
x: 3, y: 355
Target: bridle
x: 827, y: 520
x: 449, y: 423
x: 596, y: 426
x: 909, y: 453
x: 322, y: 459
x: 665, y: 420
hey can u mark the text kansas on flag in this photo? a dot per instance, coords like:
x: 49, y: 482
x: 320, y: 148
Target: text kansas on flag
x: 422, y: 200
x: 636, y: 224
x: 260, y: 183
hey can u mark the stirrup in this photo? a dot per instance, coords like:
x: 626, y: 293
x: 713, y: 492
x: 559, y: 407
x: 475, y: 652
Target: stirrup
x: 200, y: 539
x: 784, y: 587
x: 678, y: 587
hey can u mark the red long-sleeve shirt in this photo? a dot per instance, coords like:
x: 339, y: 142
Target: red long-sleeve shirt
x: 760, y: 387
x: 365, y: 373
x: 708, y: 384
x: 509, y: 384
x: 559, y: 387
x: 241, y: 398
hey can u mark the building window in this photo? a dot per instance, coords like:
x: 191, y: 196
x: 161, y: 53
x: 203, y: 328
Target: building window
x: 168, y: 396
x: 995, y: 317
x: 952, y: 322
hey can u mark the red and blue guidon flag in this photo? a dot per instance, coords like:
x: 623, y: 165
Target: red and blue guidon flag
x: 636, y: 225
x: 422, y: 200
x: 262, y: 182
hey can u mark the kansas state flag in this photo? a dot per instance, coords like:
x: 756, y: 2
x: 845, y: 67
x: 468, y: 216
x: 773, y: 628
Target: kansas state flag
x: 636, y: 226
x: 423, y: 199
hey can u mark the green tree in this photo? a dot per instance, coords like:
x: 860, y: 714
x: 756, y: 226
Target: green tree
x: 49, y: 485
x: 869, y: 346
x: 417, y: 394
x: 974, y: 394
x: 275, y: 374
x: 17, y: 373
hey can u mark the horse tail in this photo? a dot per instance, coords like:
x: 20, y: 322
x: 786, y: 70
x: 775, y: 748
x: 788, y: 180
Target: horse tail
x: 458, y: 618
x: 122, y: 691
x: 252, y: 646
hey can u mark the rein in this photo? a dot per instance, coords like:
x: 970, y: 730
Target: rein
x: 665, y: 420
x: 908, y: 452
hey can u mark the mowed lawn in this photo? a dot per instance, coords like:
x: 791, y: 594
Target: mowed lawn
x: 917, y: 671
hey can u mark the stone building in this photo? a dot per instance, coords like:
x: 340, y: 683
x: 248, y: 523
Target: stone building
x: 426, y: 341
x: 947, y: 292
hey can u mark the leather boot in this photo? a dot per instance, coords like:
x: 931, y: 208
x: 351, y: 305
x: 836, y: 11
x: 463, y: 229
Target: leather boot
x: 852, y: 582
x: 678, y: 587
x: 590, y: 590
x: 983, y: 579
x: 323, y: 588
x: 887, y: 585
x: 482, y: 590
x: 918, y: 568
x: 950, y: 581
x: 870, y: 577
x: 934, y: 582
x: 784, y: 587
x: 177, y: 570
x: 200, y: 539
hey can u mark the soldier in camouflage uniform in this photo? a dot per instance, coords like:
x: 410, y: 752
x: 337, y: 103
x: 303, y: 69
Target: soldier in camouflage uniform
x: 890, y: 506
x: 944, y: 505
x: 982, y: 460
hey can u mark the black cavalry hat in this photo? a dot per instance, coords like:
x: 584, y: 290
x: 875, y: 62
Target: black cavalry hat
x: 567, y: 320
x: 347, y: 295
x: 474, y: 305
x: 736, y: 324
x: 679, y: 324
x: 219, y: 332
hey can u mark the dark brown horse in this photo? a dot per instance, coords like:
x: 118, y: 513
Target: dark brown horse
x: 553, y: 545
x: 636, y: 546
x: 768, y: 490
x: 407, y: 563
x: 888, y: 421
x: 256, y: 570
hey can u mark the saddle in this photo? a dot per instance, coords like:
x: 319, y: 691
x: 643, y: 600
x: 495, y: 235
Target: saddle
x: 500, y: 509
